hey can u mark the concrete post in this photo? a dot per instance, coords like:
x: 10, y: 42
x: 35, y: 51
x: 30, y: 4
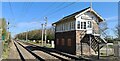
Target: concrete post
x: 42, y: 32
x: 53, y: 45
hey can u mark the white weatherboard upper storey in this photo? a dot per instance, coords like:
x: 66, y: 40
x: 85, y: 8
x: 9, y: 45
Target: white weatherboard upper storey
x: 86, y: 19
x: 90, y: 9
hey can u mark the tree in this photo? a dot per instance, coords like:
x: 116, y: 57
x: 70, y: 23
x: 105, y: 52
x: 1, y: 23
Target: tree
x: 117, y: 32
x: 4, y: 29
x: 36, y: 34
x: 103, y: 29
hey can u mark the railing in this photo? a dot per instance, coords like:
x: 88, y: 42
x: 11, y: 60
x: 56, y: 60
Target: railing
x: 96, y: 32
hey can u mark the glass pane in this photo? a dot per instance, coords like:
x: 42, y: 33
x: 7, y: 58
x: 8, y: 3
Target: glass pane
x: 89, y: 24
x: 84, y: 25
x: 78, y: 24
x: 81, y: 25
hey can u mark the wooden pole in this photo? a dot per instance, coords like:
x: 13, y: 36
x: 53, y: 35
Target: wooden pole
x: 90, y: 45
x: 98, y: 51
x: 81, y: 48
x: 26, y: 36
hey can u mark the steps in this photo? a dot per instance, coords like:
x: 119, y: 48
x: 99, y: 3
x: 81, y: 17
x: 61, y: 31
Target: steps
x: 95, y: 41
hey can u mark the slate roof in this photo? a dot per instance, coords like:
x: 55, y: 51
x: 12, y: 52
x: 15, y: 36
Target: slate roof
x: 71, y: 15
x: 76, y: 13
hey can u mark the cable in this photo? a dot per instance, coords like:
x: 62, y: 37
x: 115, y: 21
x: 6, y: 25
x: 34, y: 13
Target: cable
x: 10, y: 5
x: 46, y: 13
x: 61, y: 9
x: 26, y: 9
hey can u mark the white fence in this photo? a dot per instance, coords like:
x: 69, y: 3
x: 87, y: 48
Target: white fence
x: 117, y: 49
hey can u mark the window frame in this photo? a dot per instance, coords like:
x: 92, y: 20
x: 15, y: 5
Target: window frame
x: 89, y: 24
x: 78, y: 24
x: 84, y: 24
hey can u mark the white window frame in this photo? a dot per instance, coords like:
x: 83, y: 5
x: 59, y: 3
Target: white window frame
x: 91, y: 24
x: 73, y: 25
x: 77, y: 25
x: 83, y: 25
x: 67, y: 26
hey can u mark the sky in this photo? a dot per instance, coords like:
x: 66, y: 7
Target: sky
x: 25, y: 16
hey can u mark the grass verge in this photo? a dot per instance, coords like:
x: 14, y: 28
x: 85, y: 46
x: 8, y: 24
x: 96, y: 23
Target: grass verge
x: 5, y: 50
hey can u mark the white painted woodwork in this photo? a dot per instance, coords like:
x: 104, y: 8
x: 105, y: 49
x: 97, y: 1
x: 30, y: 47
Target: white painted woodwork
x: 73, y: 25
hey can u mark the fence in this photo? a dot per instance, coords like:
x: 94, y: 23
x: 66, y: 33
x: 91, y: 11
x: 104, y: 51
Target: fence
x: 117, y: 49
x: 1, y: 48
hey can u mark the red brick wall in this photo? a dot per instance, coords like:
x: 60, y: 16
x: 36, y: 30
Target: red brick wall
x: 66, y: 41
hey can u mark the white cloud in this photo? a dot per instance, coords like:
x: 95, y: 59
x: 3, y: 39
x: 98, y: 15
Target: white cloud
x: 31, y: 25
x: 26, y: 24
x: 111, y: 18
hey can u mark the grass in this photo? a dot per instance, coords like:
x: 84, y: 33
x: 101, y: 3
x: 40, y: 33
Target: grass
x: 40, y: 44
x: 5, y: 50
x: 110, y: 46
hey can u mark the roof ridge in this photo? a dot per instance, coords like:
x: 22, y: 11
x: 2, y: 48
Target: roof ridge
x: 76, y: 12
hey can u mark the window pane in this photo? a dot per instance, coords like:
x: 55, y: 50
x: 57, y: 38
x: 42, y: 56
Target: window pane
x: 84, y: 25
x: 81, y: 25
x: 89, y: 24
x: 73, y: 25
x: 78, y: 24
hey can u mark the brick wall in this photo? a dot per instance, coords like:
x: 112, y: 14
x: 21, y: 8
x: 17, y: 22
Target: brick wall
x: 66, y: 41
x: 79, y: 35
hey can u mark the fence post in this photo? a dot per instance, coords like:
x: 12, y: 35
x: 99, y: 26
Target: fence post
x: 1, y: 47
x: 98, y: 51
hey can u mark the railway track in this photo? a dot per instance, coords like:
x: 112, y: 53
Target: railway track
x: 56, y: 55
x: 26, y: 55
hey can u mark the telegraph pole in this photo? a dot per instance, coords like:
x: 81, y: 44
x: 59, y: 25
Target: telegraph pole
x: 8, y: 31
x: 45, y: 30
x: 26, y: 36
x: 42, y: 32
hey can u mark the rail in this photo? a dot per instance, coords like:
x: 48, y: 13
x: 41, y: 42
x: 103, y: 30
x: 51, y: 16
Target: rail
x: 48, y: 50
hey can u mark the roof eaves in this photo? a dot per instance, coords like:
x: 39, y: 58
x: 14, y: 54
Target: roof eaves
x: 71, y: 15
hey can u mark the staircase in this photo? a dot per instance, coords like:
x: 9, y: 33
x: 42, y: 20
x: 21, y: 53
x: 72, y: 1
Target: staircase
x: 95, y: 41
x: 82, y: 34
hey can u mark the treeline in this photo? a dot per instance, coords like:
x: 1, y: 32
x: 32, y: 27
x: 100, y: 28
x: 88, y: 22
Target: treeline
x: 35, y: 35
x: 4, y: 30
